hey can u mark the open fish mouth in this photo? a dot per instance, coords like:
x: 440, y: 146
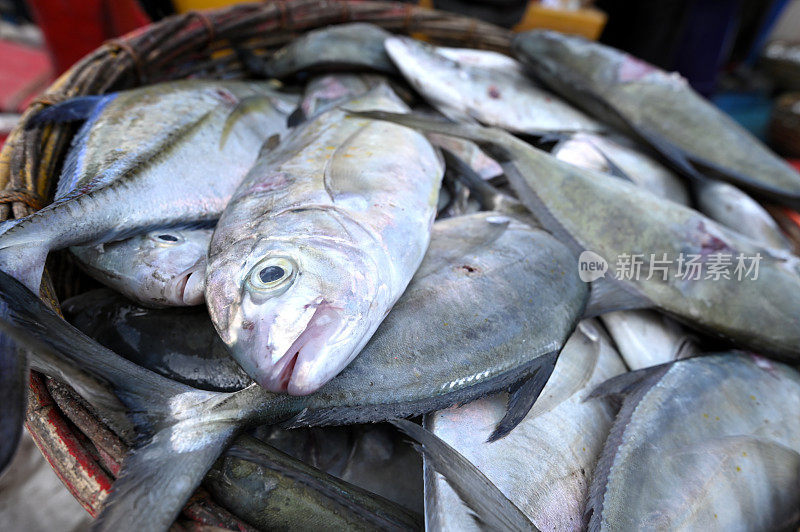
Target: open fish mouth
x: 307, y: 364
x: 188, y: 287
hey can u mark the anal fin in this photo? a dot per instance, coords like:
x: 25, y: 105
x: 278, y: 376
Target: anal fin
x: 523, y: 395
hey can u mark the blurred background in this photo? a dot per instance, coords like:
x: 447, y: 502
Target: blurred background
x: 744, y: 55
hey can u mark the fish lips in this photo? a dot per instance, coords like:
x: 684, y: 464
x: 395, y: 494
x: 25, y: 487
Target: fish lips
x: 318, y: 353
x: 188, y: 287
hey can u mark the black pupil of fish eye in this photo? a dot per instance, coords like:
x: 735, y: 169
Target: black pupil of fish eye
x: 168, y: 238
x: 270, y: 274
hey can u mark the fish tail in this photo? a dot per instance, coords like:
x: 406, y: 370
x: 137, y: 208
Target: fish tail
x: 185, y: 437
x: 20, y: 258
x: 27, y: 264
x: 491, y: 507
x: 158, y: 478
x: 72, y: 110
x: 13, y: 396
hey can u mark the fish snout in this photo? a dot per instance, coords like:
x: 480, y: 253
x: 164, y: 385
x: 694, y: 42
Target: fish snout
x: 312, y: 359
x: 188, y: 287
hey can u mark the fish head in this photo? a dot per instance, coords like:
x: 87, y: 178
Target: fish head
x: 419, y: 61
x: 165, y: 267
x: 552, y: 54
x: 174, y: 265
x: 293, y: 315
x: 559, y: 59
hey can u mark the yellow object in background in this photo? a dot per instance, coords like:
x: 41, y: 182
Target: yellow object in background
x: 588, y: 22
x: 182, y: 6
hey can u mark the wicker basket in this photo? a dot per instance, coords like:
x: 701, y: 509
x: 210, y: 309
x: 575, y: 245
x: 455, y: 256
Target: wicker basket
x: 85, y: 454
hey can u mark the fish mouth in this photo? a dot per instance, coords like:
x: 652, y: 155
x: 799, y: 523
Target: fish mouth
x: 188, y: 287
x: 305, y: 366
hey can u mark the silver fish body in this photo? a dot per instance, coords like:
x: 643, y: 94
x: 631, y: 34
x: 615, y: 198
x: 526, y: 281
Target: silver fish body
x: 497, y: 97
x: 160, y: 156
x: 707, y: 443
x: 733, y: 208
x: 647, y: 338
x: 494, y: 299
x: 660, y: 108
x: 161, y: 268
x: 348, y: 47
x: 545, y: 464
x: 325, y: 92
x: 319, y: 241
x: 481, y: 58
x: 598, y: 152
x: 615, y: 219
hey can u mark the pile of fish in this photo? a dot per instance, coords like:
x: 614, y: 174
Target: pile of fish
x: 374, y: 228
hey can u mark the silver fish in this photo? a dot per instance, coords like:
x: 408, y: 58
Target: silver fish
x: 494, y: 299
x: 160, y: 268
x: 482, y: 58
x: 323, y: 93
x: 607, y: 154
x: 612, y: 218
x: 159, y: 156
x: 545, y: 465
x: 646, y: 338
x: 707, y: 443
x: 318, y: 243
x: 733, y: 208
x: 659, y: 108
x: 357, y: 46
x: 464, y: 92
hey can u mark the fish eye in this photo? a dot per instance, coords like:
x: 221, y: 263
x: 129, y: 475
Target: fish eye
x: 272, y: 274
x: 162, y: 237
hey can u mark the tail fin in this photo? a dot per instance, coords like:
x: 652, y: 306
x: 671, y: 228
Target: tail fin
x: 187, y: 437
x: 22, y: 260
x: 492, y: 508
x: 75, y: 109
x: 29, y: 322
x: 13, y: 397
x: 158, y: 478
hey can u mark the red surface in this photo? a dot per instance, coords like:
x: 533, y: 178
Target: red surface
x: 795, y: 163
x: 83, y: 461
x: 73, y: 29
x: 24, y: 72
